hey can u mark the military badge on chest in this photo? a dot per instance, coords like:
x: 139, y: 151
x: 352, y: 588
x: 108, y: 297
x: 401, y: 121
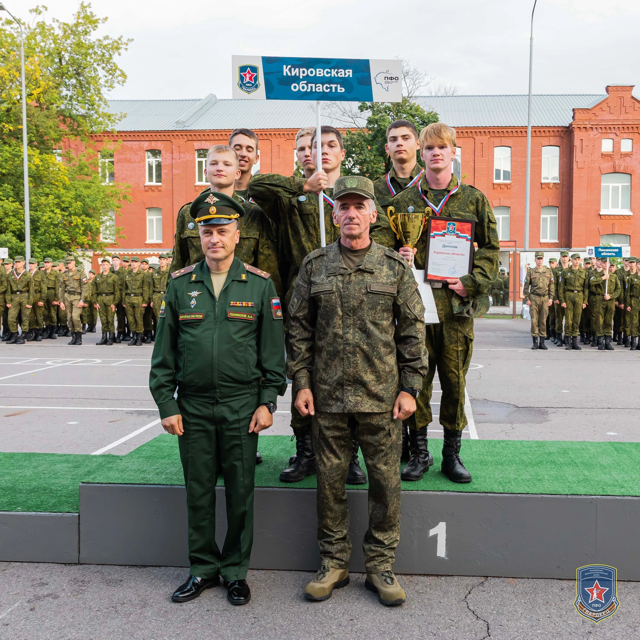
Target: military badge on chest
x: 194, y: 295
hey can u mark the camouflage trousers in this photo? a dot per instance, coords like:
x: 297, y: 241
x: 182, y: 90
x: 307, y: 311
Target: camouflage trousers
x: 381, y: 444
x: 560, y: 314
x: 148, y: 319
x: 157, y: 305
x: 550, y: 319
x: 90, y: 314
x: 633, y: 317
x: 50, y: 309
x: 18, y: 313
x: 602, y: 312
x: 539, y: 309
x: 573, y: 313
x: 133, y: 307
x: 104, y: 301
x: 74, y: 313
x: 36, y: 316
x: 121, y: 316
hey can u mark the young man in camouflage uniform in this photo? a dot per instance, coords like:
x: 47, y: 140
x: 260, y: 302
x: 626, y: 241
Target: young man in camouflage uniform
x: 20, y: 300
x: 90, y: 313
x: 573, y: 288
x: 551, y: 314
x: 3, y: 299
x: 620, y: 329
x: 632, y: 302
x: 539, y: 292
x: 603, y: 291
x: 73, y: 290
x: 36, y: 316
x: 159, y: 284
x: 558, y: 309
x: 52, y: 280
x: 106, y: 286
x: 585, y: 322
x: 357, y: 355
x: 135, y: 300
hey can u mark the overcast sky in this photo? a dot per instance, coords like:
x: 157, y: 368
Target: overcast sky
x: 183, y: 49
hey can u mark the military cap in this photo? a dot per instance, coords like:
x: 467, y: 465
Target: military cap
x: 553, y: 260
x: 40, y: 265
x: 69, y: 259
x: 502, y: 271
x: 587, y: 260
x: 135, y: 259
x: 632, y: 259
x: 56, y: 263
x: 358, y: 185
x: 92, y: 271
x: 115, y: 255
x: 33, y: 261
x: 212, y: 207
x: 105, y: 259
x: 575, y: 255
x: 564, y: 254
x: 47, y: 260
x: 145, y: 260
x: 19, y: 259
x: 126, y: 259
x: 539, y: 254
x: 8, y: 261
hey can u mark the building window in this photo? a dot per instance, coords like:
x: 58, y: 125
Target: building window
x: 57, y: 154
x: 108, y: 227
x: 550, y: 164
x: 626, y: 145
x: 502, y: 164
x: 201, y: 166
x: 607, y: 145
x: 549, y: 224
x: 615, y: 239
x: 457, y: 164
x: 256, y: 167
x: 615, y: 193
x: 107, y: 167
x: 154, y: 224
x: 154, y: 166
x: 503, y: 215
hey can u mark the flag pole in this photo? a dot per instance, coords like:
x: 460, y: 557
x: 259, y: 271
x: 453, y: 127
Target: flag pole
x: 323, y: 240
x: 606, y: 284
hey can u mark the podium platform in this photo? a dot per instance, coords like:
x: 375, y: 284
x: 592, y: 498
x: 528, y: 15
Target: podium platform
x: 535, y: 509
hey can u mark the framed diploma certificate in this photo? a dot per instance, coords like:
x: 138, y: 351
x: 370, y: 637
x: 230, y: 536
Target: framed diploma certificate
x: 449, y: 248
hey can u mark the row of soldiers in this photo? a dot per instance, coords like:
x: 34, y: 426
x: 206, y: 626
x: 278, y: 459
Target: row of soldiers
x: 500, y: 289
x: 596, y: 304
x: 57, y: 298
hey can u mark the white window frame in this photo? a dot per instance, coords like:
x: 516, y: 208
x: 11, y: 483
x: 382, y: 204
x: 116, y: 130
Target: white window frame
x: 108, y: 227
x: 548, y: 215
x: 105, y: 163
x: 501, y: 163
x: 605, y: 143
x: 630, y: 141
x: 154, y: 225
x: 457, y: 164
x: 201, y: 165
x: 502, y: 215
x: 153, y: 167
x: 617, y: 193
x: 551, y: 164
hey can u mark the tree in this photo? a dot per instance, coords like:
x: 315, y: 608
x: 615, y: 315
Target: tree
x: 69, y: 73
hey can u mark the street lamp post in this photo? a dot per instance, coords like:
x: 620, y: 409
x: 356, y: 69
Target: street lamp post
x: 528, y: 181
x: 25, y: 153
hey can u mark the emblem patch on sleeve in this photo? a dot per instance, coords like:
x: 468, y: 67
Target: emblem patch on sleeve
x: 276, y: 308
x: 162, y: 307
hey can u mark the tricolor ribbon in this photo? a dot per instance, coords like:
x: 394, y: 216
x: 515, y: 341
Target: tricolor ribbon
x: 243, y: 200
x: 439, y: 208
x: 327, y: 199
x: 416, y: 179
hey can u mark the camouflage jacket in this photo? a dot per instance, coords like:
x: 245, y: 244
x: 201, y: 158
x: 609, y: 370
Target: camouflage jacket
x: 467, y: 203
x: 73, y: 283
x: 598, y: 285
x: 107, y: 284
x: 159, y: 281
x: 39, y: 286
x: 3, y: 285
x: 135, y: 284
x: 257, y: 246
x: 539, y: 281
x: 571, y: 281
x: 296, y: 217
x: 633, y: 288
x: 384, y: 195
x: 53, y: 282
x: 357, y: 336
x: 496, y: 284
x: 20, y: 283
x: 622, y: 276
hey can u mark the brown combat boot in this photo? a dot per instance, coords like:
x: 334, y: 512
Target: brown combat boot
x: 324, y: 582
x: 385, y: 584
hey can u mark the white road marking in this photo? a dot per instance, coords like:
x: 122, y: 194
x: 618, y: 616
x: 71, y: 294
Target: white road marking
x: 72, y: 423
x: 28, y: 406
x: 131, y: 435
x: 120, y: 362
x: 82, y: 386
x: 611, y: 433
x: 24, y: 373
x: 10, y: 609
x: 26, y: 361
x: 473, y: 432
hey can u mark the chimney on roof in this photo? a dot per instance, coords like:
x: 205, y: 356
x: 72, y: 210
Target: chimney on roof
x: 620, y: 88
x: 195, y: 111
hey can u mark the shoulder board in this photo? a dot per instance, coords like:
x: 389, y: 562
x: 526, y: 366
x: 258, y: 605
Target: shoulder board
x: 394, y: 254
x: 256, y: 271
x: 316, y: 253
x: 181, y: 272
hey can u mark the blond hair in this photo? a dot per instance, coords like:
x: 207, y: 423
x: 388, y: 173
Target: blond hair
x: 438, y: 133
x: 305, y: 131
x: 222, y: 148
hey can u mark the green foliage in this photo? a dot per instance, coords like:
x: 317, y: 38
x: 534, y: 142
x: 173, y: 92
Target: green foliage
x: 68, y: 73
x: 365, y: 152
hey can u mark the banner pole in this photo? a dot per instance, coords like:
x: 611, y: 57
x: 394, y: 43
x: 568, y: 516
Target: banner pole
x: 606, y: 284
x: 323, y: 240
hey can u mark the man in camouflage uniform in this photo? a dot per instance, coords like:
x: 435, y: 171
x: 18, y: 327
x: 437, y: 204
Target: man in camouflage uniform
x: 585, y: 322
x: 89, y: 312
x: 36, y: 315
x: 496, y: 291
x: 51, y: 278
x: 246, y: 145
x: 551, y: 314
x: 73, y: 290
x: 147, y: 316
x: 357, y: 355
x: 7, y: 265
x: 558, y: 310
x: 632, y: 301
x: 118, y: 269
x: 450, y: 342
x: 574, y: 289
x: 20, y: 301
x: 159, y: 284
x: 603, y: 291
x: 106, y: 292
x: 538, y: 292
x: 291, y: 203
x: 620, y: 331
x: 135, y: 300
x: 506, y: 284
x: 3, y: 299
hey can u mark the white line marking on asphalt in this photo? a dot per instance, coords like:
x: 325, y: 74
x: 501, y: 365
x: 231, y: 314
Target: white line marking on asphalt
x: 26, y: 361
x: 83, y: 386
x: 10, y: 609
x: 611, y: 433
x: 24, y: 373
x: 131, y: 435
x: 120, y: 362
x: 17, y: 406
x: 564, y: 391
x: 473, y: 432
x: 72, y: 423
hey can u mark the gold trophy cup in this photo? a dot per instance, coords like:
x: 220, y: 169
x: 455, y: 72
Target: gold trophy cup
x: 408, y: 227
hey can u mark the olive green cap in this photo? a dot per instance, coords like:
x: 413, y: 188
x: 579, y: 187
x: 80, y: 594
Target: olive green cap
x: 47, y: 260
x: 126, y: 259
x: 19, y: 259
x: 632, y: 259
x: 553, y: 260
x: 144, y: 260
x: 33, y: 261
x: 135, y: 259
x: 564, y: 254
x: 358, y: 185
x: 539, y: 254
x: 575, y: 255
x: 105, y: 259
x: 69, y: 259
x: 56, y: 263
x: 7, y: 261
x: 212, y: 207
x: 587, y: 260
x: 92, y: 271
x: 40, y: 265
x: 115, y: 255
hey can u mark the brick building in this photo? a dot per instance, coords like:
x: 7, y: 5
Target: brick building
x: 584, y: 159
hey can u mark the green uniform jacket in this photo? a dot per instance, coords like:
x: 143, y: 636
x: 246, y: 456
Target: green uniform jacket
x: 39, y: 286
x: 296, y: 217
x: 383, y: 195
x: 108, y: 284
x: 622, y: 276
x: 598, y: 285
x: 218, y: 350
x: 52, y: 280
x: 633, y: 288
x: 135, y: 285
x: 73, y: 283
x: 159, y: 281
x: 257, y: 245
x: 357, y: 336
x: 17, y: 284
x: 3, y: 285
x: 575, y: 281
x: 539, y: 281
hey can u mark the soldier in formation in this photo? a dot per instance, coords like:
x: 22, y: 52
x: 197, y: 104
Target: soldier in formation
x: 107, y: 294
x: 538, y: 293
x: 573, y: 289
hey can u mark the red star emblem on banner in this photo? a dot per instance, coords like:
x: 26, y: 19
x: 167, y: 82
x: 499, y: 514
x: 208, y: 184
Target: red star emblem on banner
x: 248, y: 76
x: 596, y: 592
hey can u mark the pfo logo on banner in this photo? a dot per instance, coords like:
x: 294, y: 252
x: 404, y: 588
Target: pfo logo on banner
x: 596, y: 591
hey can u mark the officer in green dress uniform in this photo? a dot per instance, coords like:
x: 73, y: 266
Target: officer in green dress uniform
x: 220, y: 346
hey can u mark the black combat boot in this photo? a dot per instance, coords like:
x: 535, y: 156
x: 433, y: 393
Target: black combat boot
x: 420, y: 459
x: 626, y: 341
x: 356, y: 474
x: 38, y: 335
x: 67, y: 332
x: 53, y: 334
x: 575, y: 344
x: 620, y: 340
x: 594, y: 340
x: 304, y: 462
x: 607, y: 343
x: 552, y: 335
x: 103, y: 340
x: 541, y: 344
x: 406, y: 453
x: 12, y: 338
x: 534, y: 346
x: 20, y: 338
x: 634, y: 344
x: 116, y: 337
x: 132, y: 342
x: 119, y: 337
x: 78, y: 338
x: 31, y: 335
x: 146, y: 338
x: 138, y: 339
x: 600, y: 343
x: 569, y: 341
x: 73, y: 338
x: 109, y: 338
x: 6, y: 336
x: 92, y: 328
x: 84, y: 329
x: 452, y: 466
